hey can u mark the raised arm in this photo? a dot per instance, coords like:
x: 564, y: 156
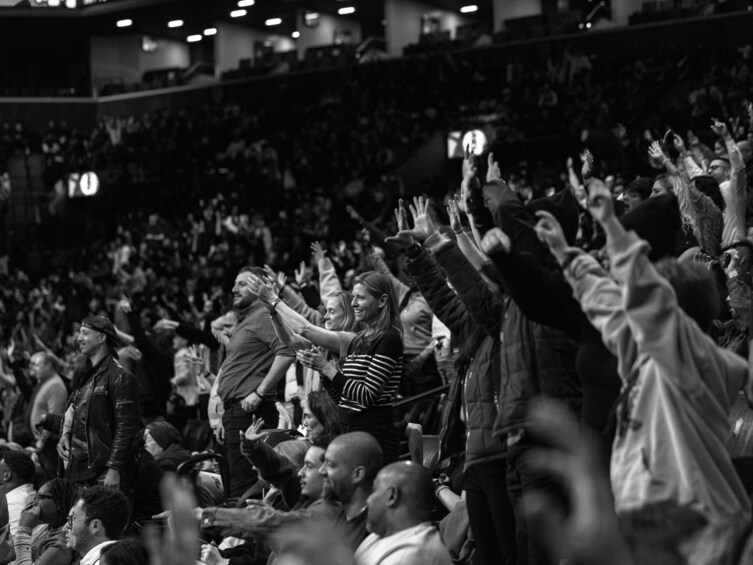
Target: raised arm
x: 599, y: 295
x: 294, y: 321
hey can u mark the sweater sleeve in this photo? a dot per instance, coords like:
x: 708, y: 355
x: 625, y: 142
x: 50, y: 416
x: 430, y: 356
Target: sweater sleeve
x: 600, y: 298
x: 329, y: 284
x: 385, y: 359
x: 275, y: 469
x: 660, y: 328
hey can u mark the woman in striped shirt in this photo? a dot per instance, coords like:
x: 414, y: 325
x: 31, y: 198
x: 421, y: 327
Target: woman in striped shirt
x: 366, y: 380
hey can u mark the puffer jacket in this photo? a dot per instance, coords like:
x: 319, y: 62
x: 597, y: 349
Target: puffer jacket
x: 535, y: 359
x: 477, y: 384
x: 106, y: 417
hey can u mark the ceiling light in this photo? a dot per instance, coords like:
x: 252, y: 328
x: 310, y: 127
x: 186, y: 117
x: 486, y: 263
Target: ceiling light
x: 296, y: 34
x: 469, y: 9
x: 210, y: 31
x: 346, y: 10
x: 194, y: 38
x: 311, y: 16
x: 175, y: 23
x: 246, y: 3
x: 124, y: 23
x: 273, y: 21
x: 238, y: 13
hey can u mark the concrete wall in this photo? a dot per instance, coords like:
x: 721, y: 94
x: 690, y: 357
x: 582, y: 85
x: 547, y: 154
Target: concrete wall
x: 509, y: 9
x: 403, y: 19
x: 120, y: 58
x: 324, y: 33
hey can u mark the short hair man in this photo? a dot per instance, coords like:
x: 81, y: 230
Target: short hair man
x: 256, y: 361
x: 351, y: 462
x: 17, y: 473
x: 96, y: 521
x: 399, y: 519
x: 102, y: 418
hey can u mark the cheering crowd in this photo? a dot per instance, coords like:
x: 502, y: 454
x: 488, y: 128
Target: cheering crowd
x: 573, y: 353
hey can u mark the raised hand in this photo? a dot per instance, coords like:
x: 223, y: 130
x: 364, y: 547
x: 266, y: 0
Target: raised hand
x: 403, y: 237
x: 588, y: 164
x: 719, y: 128
x: 453, y: 211
x: 313, y: 358
x: 600, y: 202
x: 423, y: 224
x: 317, y: 251
x: 366, y: 237
x: 353, y: 213
x: 549, y: 231
x: 655, y: 151
x: 492, y: 171
x: 469, y: 164
x: 303, y: 274
x: 263, y: 289
x: 254, y: 431
x: 495, y: 241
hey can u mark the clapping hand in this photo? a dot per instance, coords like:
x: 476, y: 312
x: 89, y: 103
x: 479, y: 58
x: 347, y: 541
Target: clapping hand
x: 313, y: 358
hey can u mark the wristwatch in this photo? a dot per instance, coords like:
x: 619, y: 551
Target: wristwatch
x: 274, y: 303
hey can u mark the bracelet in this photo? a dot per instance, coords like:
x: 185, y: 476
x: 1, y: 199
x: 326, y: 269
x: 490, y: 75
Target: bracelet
x: 273, y: 304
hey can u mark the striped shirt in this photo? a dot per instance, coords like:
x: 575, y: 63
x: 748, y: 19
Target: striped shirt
x: 370, y: 374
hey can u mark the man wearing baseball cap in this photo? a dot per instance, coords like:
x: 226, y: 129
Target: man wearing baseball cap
x: 102, y: 417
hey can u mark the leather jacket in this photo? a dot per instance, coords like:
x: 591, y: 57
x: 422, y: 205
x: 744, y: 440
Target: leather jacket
x: 105, y: 421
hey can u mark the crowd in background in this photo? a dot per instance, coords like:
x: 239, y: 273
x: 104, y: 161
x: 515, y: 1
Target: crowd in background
x: 538, y: 278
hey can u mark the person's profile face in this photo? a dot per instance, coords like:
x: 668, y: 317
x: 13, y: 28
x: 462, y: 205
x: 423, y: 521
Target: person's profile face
x: 336, y: 473
x: 311, y: 480
x: 334, y: 318
x: 377, y: 506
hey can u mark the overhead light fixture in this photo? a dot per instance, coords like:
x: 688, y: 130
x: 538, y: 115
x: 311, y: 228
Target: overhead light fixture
x: 194, y: 38
x: 469, y: 9
x: 296, y: 34
x: 238, y: 13
x: 346, y: 10
x: 70, y: 3
x: 124, y: 23
x: 273, y: 21
x: 175, y: 23
x: 308, y: 16
x: 210, y: 31
x: 246, y: 3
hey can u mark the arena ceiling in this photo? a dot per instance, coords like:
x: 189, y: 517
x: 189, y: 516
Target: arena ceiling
x: 151, y: 17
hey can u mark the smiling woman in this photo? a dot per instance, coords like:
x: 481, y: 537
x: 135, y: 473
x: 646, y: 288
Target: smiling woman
x: 367, y: 379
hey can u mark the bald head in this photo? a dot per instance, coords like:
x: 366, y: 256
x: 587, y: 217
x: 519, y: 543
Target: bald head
x: 414, y: 483
x: 403, y: 497
x: 359, y: 449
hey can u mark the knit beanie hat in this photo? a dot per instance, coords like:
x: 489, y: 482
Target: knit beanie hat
x: 563, y: 206
x: 656, y: 220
